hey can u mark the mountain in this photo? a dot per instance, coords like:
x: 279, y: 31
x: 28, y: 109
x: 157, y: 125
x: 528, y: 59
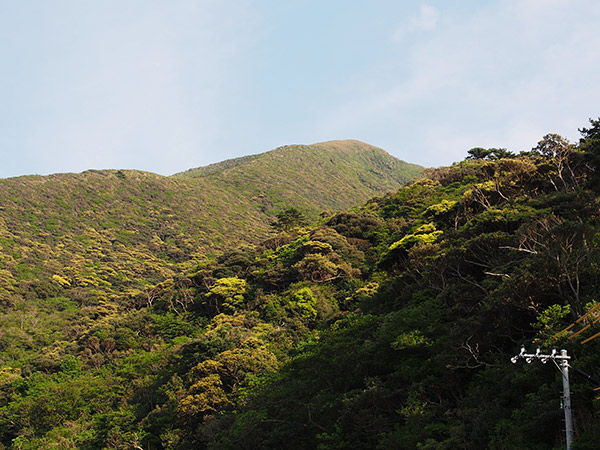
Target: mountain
x: 392, y: 325
x: 104, y: 231
x: 332, y: 175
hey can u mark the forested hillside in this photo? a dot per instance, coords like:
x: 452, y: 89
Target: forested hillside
x: 387, y: 326
x: 111, y: 233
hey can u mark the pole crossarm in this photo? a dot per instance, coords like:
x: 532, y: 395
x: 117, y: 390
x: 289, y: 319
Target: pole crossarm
x: 529, y: 357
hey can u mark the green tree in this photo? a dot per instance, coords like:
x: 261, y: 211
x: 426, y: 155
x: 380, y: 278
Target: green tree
x: 559, y: 151
x: 305, y: 301
x: 589, y: 143
x: 489, y: 153
x: 227, y: 294
x: 289, y: 219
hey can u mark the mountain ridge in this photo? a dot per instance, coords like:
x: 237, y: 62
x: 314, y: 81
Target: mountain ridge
x: 122, y: 226
x: 346, y: 147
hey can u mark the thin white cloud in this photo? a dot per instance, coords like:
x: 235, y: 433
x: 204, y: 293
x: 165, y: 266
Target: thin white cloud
x: 503, y: 76
x: 425, y: 20
x: 428, y: 18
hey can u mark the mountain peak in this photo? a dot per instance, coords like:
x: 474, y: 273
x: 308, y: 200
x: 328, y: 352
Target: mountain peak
x: 307, y: 154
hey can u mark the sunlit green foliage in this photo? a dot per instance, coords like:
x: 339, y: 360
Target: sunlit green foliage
x: 388, y: 326
x: 99, y: 234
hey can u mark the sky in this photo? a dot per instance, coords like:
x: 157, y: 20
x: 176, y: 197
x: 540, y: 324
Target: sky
x: 164, y: 86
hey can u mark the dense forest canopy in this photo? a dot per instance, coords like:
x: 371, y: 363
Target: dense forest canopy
x: 390, y: 325
x: 112, y: 233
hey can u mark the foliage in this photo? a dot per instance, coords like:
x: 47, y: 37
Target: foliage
x: 289, y: 219
x: 489, y: 153
x: 117, y: 233
x: 227, y: 294
x: 388, y: 326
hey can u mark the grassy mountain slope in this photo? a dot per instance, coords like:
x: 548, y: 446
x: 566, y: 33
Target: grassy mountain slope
x: 333, y: 175
x: 101, y: 232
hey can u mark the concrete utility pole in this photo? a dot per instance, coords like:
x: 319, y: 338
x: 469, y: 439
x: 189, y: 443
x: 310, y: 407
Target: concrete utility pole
x: 564, y: 369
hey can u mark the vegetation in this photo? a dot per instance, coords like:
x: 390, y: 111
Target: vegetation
x: 108, y: 235
x: 390, y: 325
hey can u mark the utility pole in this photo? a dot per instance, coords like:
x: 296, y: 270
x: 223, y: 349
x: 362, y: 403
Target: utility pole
x: 563, y: 358
x: 564, y: 368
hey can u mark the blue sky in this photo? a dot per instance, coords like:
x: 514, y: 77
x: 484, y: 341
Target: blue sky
x: 166, y: 86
